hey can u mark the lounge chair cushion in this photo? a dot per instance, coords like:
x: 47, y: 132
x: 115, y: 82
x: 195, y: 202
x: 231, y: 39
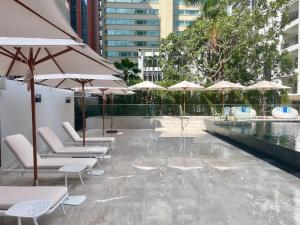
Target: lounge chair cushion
x: 56, y: 163
x: 70, y: 130
x: 10, y: 195
x: 22, y: 149
x: 57, y: 147
x: 98, y: 139
x: 76, y: 138
x: 50, y: 138
x: 83, y: 150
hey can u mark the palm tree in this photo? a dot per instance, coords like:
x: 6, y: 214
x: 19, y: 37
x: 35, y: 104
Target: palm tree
x: 130, y: 69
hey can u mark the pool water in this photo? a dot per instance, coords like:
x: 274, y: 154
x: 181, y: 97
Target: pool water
x: 286, y: 134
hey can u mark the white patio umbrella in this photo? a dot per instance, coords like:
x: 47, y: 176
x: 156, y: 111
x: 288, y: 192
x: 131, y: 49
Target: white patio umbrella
x: 264, y: 86
x: 81, y: 82
x: 185, y: 86
x: 107, y: 87
x: 35, y: 38
x: 224, y: 87
x: 146, y: 86
x: 112, y: 92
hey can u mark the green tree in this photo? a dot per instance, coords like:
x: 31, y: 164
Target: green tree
x: 130, y: 70
x: 241, y: 46
x: 210, y: 9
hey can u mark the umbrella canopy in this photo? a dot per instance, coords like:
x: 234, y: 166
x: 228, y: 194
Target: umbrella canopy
x: 224, y: 86
x: 147, y: 86
x: 38, y: 24
x: 50, y: 56
x: 34, y: 19
x: 74, y: 81
x: 185, y: 85
x: 109, y: 85
x: 263, y: 86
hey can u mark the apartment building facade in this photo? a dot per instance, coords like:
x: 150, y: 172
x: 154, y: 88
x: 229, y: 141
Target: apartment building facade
x: 84, y: 16
x: 290, y: 43
x: 134, y: 28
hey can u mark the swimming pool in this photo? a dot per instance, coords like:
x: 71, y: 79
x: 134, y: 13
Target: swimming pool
x: 280, y: 140
x: 286, y: 134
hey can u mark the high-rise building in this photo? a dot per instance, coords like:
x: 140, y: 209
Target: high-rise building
x: 130, y: 25
x: 84, y: 20
x: 290, y: 42
x: 134, y: 28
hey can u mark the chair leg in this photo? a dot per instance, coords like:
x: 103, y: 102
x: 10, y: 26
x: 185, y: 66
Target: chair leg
x: 22, y: 174
x: 1, y: 174
x: 35, y: 221
x: 98, y: 162
x: 82, y: 180
x: 63, y: 209
x: 66, y: 180
x: 19, y: 221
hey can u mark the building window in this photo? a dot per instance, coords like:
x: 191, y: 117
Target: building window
x: 134, y: 1
x: 188, y: 12
x: 121, y: 54
x: 179, y: 2
x: 131, y: 11
x: 125, y: 43
x: 132, y: 22
x: 151, y: 33
x: 183, y: 23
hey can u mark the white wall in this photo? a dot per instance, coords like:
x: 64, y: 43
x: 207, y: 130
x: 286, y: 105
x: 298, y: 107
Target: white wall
x: 15, y: 113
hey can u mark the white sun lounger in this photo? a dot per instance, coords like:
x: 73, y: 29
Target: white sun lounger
x: 11, y: 195
x: 57, y: 147
x: 89, y: 140
x: 23, y: 150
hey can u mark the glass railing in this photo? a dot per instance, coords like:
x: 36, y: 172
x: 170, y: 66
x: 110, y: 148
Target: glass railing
x: 216, y: 111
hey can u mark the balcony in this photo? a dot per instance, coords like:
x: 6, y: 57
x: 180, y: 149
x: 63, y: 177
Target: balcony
x: 293, y: 16
x: 290, y: 41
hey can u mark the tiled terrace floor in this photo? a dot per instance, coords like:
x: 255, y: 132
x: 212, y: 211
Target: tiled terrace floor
x: 153, y: 180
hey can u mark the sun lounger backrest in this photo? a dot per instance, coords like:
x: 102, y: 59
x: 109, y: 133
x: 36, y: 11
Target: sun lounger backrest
x: 50, y: 138
x: 70, y: 131
x: 22, y: 149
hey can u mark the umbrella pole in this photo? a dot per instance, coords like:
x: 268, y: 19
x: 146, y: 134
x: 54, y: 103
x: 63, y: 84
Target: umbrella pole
x: 184, y: 103
x: 223, y: 100
x: 263, y: 103
x: 148, y: 100
x: 103, y: 113
x: 111, y: 110
x: 112, y: 114
x: 32, y: 93
x: 83, y: 114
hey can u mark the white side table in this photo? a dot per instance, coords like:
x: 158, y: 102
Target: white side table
x: 29, y: 209
x: 73, y: 168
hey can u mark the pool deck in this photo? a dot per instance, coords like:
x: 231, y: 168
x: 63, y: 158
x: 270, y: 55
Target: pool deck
x: 156, y: 179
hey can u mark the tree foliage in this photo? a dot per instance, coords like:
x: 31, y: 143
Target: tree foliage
x: 130, y: 70
x: 238, y: 44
